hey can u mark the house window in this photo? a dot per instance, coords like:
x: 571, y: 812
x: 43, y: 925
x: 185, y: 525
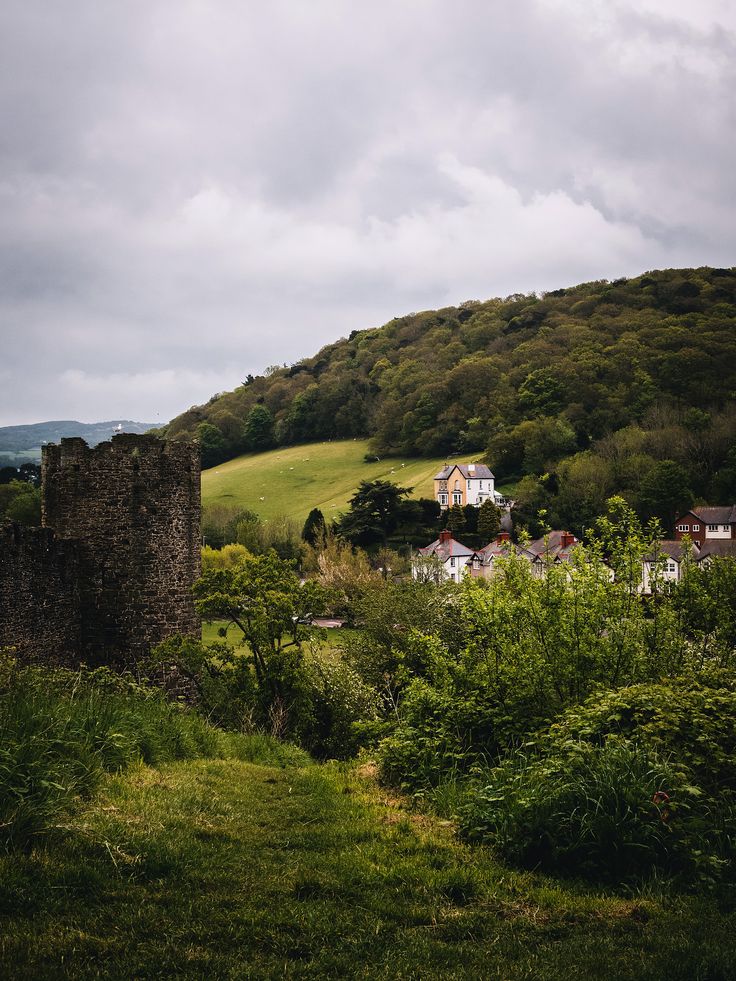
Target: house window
x: 443, y: 498
x: 712, y: 527
x: 452, y: 563
x: 725, y: 527
x: 457, y: 485
x: 696, y: 527
x: 671, y: 567
x: 683, y: 527
x: 457, y: 497
x: 480, y: 485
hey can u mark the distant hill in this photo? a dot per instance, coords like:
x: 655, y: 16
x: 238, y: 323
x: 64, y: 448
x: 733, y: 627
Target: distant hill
x: 19, y: 444
x: 607, y: 387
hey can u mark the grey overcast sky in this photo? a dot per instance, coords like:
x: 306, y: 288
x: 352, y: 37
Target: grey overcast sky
x: 191, y: 190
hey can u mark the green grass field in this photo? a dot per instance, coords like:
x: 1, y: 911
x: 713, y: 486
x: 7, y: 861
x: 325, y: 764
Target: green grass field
x: 292, y: 480
x: 226, y: 869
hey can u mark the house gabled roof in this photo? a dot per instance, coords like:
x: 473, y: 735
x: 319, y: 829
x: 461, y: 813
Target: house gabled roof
x: 471, y: 470
x: 724, y: 548
x: 552, y: 543
x: 444, y: 550
x: 672, y: 550
x: 495, y: 548
x: 725, y: 515
x: 501, y: 550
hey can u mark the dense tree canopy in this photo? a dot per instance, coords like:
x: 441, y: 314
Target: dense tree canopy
x: 597, y: 383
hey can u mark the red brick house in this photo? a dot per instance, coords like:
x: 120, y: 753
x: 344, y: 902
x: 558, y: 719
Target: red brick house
x: 707, y: 524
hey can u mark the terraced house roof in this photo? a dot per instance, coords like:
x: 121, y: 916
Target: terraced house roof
x: 445, y: 549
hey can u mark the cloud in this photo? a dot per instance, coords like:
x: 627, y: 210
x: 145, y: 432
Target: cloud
x: 192, y: 191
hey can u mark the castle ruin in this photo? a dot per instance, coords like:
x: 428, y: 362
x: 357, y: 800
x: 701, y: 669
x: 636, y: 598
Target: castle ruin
x: 110, y: 573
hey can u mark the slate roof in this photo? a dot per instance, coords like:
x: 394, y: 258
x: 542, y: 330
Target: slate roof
x: 725, y: 515
x: 725, y: 548
x: 446, y: 550
x: 672, y: 549
x: 495, y: 548
x: 472, y: 470
x: 551, y: 544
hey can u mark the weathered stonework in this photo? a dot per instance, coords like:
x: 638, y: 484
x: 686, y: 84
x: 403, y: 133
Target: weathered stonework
x: 130, y: 512
x: 40, y: 613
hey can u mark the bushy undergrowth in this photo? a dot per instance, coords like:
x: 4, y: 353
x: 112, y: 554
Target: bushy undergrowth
x: 633, y: 780
x: 312, y: 697
x: 610, y: 813
x: 61, y: 731
x: 339, y: 709
x: 689, y: 720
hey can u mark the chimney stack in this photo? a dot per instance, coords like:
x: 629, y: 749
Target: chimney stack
x: 567, y: 539
x: 445, y: 536
x: 503, y: 536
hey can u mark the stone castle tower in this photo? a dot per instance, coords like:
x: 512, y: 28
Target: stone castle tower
x: 132, y: 509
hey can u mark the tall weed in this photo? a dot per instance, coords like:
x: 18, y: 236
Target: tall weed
x: 61, y: 731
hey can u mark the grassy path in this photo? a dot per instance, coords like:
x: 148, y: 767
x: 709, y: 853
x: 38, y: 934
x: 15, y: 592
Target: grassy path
x: 229, y: 870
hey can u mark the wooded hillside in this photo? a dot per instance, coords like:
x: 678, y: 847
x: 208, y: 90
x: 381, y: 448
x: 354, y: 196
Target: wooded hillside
x: 594, y: 386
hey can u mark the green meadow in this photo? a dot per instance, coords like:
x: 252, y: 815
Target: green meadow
x: 292, y: 480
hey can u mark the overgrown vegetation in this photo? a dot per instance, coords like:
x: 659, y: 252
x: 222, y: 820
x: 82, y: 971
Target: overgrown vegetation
x: 464, y: 690
x: 62, y: 731
x: 563, y: 724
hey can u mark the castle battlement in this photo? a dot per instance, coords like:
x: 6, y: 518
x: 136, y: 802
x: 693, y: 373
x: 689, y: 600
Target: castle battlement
x: 131, y: 509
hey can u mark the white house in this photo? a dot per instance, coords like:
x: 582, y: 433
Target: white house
x: 445, y: 558
x: 664, y: 565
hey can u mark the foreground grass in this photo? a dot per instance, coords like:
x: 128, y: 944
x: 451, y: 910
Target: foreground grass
x: 294, y: 479
x: 226, y: 869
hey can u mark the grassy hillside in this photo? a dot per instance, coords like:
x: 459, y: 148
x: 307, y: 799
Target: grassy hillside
x: 225, y: 869
x: 292, y: 480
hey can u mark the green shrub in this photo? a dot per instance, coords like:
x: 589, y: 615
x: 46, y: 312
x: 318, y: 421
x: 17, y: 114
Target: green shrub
x: 685, y: 719
x: 451, y: 727
x: 612, y: 812
x: 580, y: 797
x: 341, y: 708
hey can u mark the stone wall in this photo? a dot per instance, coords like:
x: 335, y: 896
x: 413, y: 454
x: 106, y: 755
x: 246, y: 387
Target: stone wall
x: 39, y: 595
x: 133, y: 507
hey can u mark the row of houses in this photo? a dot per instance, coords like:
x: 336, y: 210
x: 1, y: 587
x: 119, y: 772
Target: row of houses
x: 448, y: 559
x: 701, y: 535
